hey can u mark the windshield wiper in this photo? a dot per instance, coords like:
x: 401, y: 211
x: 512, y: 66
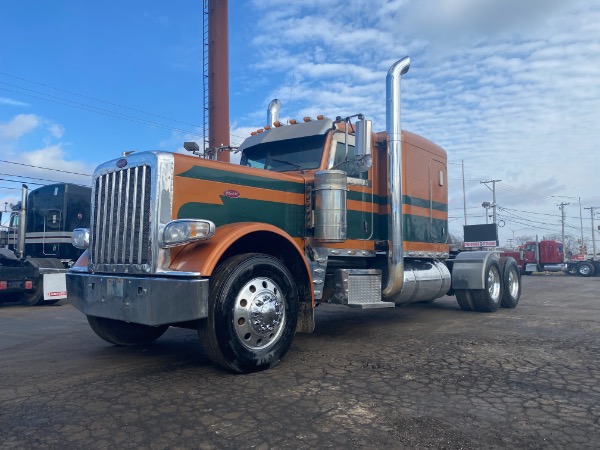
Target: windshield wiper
x: 283, y: 161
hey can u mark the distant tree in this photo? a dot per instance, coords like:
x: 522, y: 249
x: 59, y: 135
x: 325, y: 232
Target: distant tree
x: 455, y: 241
x: 520, y: 240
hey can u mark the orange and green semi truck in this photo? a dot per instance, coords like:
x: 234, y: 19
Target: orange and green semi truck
x: 317, y: 211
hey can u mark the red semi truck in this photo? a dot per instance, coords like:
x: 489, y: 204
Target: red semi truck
x: 549, y: 256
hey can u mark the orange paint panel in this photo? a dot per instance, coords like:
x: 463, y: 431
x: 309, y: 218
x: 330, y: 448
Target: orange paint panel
x: 203, y: 191
x: 424, y: 212
x: 352, y: 244
x: 425, y: 247
x: 355, y: 205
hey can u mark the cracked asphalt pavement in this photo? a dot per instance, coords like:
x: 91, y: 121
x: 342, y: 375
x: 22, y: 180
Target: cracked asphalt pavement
x: 422, y: 376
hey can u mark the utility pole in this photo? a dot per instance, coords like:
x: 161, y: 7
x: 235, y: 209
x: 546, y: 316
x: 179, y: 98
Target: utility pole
x: 581, y: 221
x: 493, y: 194
x: 462, y: 163
x: 562, y: 221
x: 592, y: 209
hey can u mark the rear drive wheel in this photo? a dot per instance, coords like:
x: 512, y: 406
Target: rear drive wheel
x: 585, y: 269
x: 488, y: 299
x: 464, y: 299
x: 35, y: 297
x: 511, y: 282
x: 122, y: 333
x: 252, y: 313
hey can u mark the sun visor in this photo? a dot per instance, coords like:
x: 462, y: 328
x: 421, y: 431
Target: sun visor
x: 299, y: 130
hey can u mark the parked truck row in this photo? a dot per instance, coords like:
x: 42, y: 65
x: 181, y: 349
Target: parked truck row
x: 35, y: 246
x: 549, y: 256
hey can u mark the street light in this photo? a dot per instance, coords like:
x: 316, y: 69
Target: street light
x: 487, y: 206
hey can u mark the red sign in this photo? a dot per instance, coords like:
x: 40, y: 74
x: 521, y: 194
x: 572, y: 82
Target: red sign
x: 231, y: 193
x: 56, y: 294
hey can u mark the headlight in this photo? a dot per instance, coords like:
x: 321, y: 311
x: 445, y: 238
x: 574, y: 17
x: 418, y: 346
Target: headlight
x: 182, y: 231
x: 81, y: 238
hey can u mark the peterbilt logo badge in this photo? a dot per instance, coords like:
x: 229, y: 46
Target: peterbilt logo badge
x: 231, y: 193
x: 121, y: 163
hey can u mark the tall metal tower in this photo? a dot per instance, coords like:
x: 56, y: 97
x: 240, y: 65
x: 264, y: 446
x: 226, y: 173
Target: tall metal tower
x: 205, y: 130
x: 215, y: 78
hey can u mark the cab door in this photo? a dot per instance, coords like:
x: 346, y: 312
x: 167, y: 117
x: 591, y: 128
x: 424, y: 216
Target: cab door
x: 438, y: 208
x: 360, y: 198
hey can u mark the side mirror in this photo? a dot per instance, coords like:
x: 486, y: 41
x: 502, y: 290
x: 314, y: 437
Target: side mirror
x: 363, y: 144
x: 363, y: 138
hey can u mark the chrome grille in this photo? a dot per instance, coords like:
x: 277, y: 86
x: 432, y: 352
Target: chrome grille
x: 121, y: 217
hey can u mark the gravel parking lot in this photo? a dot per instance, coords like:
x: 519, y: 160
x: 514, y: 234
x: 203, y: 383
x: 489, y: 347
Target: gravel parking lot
x: 423, y: 376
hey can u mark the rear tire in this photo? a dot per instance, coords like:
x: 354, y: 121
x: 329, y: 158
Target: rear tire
x: 511, y: 282
x: 34, y: 298
x: 252, y: 313
x: 465, y: 300
x: 488, y: 299
x: 122, y: 333
x: 585, y: 269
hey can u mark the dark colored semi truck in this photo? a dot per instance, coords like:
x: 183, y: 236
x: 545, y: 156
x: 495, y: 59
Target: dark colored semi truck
x: 35, y: 246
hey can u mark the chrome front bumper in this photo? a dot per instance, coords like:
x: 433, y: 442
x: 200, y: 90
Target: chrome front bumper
x: 144, y: 300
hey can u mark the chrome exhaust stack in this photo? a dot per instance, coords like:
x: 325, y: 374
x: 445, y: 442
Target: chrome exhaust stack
x: 273, y: 112
x: 395, y: 278
x: 22, y: 223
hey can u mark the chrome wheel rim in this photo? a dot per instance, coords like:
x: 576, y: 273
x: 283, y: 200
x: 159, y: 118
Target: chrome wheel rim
x: 584, y: 269
x: 494, y: 284
x: 259, y: 314
x: 513, y: 282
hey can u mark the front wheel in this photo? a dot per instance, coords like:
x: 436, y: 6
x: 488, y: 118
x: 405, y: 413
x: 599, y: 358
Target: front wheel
x: 122, y: 333
x: 252, y: 314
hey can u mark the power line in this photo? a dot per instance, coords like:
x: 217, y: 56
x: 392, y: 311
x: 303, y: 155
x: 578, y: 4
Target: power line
x: 95, y: 109
x: 29, y: 178
x: 83, y: 106
x: 94, y: 98
x: 45, y: 168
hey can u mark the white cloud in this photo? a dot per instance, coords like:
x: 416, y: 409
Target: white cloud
x: 12, y: 102
x: 18, y: 126
x: 510, y: 87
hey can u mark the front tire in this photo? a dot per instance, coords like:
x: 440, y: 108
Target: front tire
x: 122, y: 333
x: 488, y: 299
x: 252, y: 313
x: 511, y: 282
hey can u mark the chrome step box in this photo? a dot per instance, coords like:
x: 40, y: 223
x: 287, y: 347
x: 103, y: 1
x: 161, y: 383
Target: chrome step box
x: 359, y: 288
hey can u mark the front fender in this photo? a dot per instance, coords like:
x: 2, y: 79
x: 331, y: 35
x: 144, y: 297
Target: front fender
x: 203, y: 257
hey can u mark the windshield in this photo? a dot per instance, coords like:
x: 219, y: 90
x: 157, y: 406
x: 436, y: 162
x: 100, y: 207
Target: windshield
x: 283, y: 156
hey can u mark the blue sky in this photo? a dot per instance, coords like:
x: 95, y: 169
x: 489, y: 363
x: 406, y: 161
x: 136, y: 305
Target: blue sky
x: 509, y: 87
